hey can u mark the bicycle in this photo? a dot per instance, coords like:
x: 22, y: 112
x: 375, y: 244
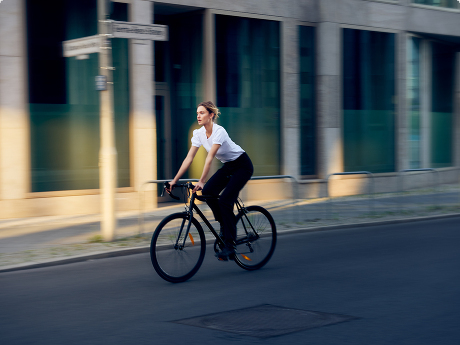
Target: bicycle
x: 178, y: 244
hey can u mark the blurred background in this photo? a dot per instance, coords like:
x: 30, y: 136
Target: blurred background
x: 357, y: 101
x: 308, y: 88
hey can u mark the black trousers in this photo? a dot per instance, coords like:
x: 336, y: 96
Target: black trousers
x: 232, y: 176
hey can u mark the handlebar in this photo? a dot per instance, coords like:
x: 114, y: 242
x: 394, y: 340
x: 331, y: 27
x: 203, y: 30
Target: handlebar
x: 188, y: 185
x: 167, y: 187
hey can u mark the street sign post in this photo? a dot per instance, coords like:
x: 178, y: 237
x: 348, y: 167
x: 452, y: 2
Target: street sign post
x: 108, y: 151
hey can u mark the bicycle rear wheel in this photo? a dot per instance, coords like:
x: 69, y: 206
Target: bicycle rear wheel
x: 177, y: 259
x: 255, y: 238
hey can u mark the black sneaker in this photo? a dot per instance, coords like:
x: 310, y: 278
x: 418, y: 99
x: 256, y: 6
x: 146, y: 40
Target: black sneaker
x: 228, y: 253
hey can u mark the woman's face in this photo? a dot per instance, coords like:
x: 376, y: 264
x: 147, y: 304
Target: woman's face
x: 203, y: 116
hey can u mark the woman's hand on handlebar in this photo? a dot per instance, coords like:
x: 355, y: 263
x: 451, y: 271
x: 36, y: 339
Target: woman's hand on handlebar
x: 199, y: 186
x: 170, y: 186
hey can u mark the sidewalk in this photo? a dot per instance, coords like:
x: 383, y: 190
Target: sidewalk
x: 44, y: 241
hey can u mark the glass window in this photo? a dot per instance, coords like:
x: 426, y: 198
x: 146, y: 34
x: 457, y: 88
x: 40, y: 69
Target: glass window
x: 160, y: 60
x: 64, y: 106
x: 307, y: 101
x: 178, y: 87
x: 159, y: 116
x: 413, y: 100
x: 439, y: 3
x: 63, y: 102
x: 248, y: 87
x: 442, y: 102
x: 368, y: 67
x: 186, y: 71
x: 120, y: 60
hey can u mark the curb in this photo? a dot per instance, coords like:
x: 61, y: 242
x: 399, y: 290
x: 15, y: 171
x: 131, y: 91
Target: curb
x: 139, y: 250
x: 376, y: 223
x: 75, y: 259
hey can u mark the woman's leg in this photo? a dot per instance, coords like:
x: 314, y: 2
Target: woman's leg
x: 228, y: 197
x: 214, y: 186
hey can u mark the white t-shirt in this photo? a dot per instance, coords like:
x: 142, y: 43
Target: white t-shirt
x: 227, y: 152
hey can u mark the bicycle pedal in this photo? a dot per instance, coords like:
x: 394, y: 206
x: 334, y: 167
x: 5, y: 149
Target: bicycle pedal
x: 221, y: 258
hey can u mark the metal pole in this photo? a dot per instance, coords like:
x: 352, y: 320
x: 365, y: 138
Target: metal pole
x: 108, y: 152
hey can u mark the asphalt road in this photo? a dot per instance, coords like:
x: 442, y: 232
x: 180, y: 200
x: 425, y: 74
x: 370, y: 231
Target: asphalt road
x: 401, y: 282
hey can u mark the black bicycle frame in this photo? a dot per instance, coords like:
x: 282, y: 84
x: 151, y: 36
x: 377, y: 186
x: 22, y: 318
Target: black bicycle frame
x: 193, y: 206
x: 205, y: 220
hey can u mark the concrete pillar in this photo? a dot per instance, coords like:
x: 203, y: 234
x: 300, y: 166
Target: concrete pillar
x: 143, y: 124
x: 209, y: 78
x: 402, y: 146
x: 14, y: 115
x: 330, y: 137
x: 290, y: 107
x: 209, y: 49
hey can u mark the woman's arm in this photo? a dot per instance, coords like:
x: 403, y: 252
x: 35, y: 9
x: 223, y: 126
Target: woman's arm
x: 207, y: 166
x: 185, y: 165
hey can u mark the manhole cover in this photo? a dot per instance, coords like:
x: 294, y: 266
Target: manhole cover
x: 265, y: 321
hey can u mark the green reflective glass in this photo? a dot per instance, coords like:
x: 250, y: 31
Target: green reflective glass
x: 120, y: 60
x: 64, y: 105
x: 368, y: 67
x: 307, y: 101
x: 186, y: 55
x: 248, y: 87
x: 161, y: 149
x: 439, y: 3
x: 442, y: 102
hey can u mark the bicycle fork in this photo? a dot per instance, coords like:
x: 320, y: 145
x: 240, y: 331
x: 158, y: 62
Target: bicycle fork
x: 180, y: 241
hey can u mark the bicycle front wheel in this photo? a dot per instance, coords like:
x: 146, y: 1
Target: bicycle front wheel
x: 175, y: 255
x: 255, y: 238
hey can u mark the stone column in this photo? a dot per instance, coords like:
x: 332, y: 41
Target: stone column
x: 330, y: 138
x: 143, y: 124
x: 14, y: 115
x: 209, y: 73
x: 209, y: 53
x: 290, y: 107
x: 401, y: 118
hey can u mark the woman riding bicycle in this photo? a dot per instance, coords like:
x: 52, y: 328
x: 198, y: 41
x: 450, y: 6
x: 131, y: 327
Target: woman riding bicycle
x: 236, y: 171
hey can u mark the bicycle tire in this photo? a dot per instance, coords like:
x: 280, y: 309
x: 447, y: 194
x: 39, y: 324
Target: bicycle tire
x: 174, y: 263
x: 256, y: 241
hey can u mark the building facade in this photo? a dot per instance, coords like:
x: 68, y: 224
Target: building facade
x: 308, y: 88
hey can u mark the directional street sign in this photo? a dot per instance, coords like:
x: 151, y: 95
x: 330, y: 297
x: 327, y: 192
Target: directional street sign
x: 82, y: 46
x: 92, y: 44
x: 138, y: 31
